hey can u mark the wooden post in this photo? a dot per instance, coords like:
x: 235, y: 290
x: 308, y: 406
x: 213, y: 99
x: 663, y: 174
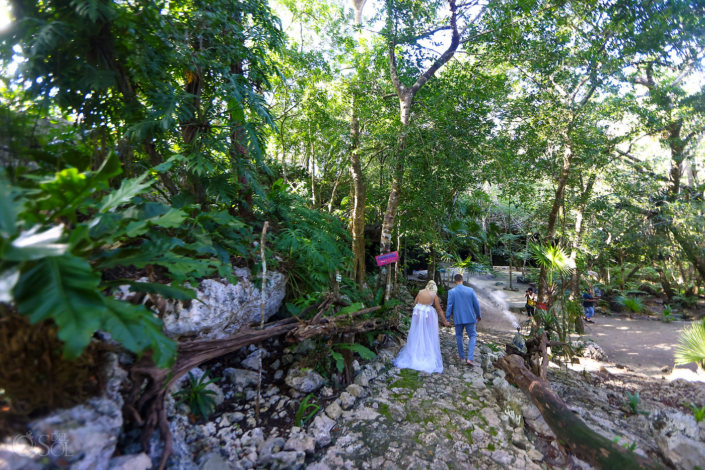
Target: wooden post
x: 261, y: 323
x: 572, y: 432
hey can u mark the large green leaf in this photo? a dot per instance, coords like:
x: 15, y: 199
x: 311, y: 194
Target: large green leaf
x: 364, y: 352
x: 64, y: 289
x: 69, y: 188
x: 9, y: 208
x: 128, y: 189
x: 137, y: 329
x: 31, y: 245
x: 172, y: 219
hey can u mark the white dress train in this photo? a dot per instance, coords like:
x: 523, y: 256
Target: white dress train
x: 423, y: 346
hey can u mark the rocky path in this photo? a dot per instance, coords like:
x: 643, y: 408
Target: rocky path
x: 406, y: 419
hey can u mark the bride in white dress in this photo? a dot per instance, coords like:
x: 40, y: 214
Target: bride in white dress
x: 423, y: 346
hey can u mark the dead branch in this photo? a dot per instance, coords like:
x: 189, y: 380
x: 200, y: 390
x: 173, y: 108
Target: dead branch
x: 573, y: 433
x: 146, y: 405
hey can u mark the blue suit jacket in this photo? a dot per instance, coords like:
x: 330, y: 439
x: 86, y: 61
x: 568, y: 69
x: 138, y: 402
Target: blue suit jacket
x: 463, y: 303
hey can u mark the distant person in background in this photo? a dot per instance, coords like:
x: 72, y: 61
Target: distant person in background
x: 530, y: 301
x: 463, y: 304
x: 589, y: 304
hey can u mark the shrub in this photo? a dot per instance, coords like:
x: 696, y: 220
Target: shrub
x: 631, y: 304
x: 692, y: 345
x: 199, y: 399
x: 667, y: 314
x: 687, y: 301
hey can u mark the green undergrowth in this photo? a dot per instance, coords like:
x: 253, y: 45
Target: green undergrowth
x: 409, y: 380
x: 384, y: 410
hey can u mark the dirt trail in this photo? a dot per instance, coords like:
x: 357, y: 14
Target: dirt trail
x: 646, y: 346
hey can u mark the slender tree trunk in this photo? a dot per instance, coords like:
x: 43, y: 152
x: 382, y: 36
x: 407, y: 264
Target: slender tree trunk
x: 359, y: 198
x: 281, y: 138
x: 334, y: 192
x: 397, y: 265
x: 557, y: 203
x: 691, y: 249
x: 575, y: 289
x: 432, y: 264
x: 677, y: 146
x: 664, y: 281
x: 406, y: 95
x: 634, y: 271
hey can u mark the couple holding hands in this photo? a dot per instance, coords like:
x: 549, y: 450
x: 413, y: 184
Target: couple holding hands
x: 422, y: 351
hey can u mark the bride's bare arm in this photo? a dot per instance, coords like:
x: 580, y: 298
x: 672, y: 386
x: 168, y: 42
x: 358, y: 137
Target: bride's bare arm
x: 437, y: 304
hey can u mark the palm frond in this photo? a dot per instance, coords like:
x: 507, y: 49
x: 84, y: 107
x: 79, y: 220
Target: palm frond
x: 692, y: 345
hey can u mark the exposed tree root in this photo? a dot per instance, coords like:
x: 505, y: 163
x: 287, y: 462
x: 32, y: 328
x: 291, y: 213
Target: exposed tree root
x: 148, y: 406
x: 572, y: 432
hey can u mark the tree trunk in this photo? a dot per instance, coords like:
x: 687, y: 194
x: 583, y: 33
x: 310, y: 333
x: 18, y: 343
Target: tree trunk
x: 691, y: 249
x: 387, y: 227
x: 432, y: 265
x: 634, y: 271
x: 406, y: 96
x: 575, y: 289
x: 573, y: 433
x: 664, y: 281
x: 359, y: 199
x: 334, y: 192
x: 155, y: 159
x: 281, y: 138
x: 553, y: 215
x: 677, y: 146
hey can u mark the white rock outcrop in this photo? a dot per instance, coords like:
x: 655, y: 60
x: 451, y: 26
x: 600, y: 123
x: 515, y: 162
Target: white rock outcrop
x: 223, y: 308
x: 677, y: 436
x: 86, y: 435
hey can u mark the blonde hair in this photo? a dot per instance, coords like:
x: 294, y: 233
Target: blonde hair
x: 432, y: 287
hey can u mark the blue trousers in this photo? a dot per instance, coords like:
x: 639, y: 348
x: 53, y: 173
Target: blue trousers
x: 472, y: 334
x: 589, y: 312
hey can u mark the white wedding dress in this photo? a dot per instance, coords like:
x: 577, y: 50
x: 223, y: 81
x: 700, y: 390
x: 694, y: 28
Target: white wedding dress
x: 423, y: 346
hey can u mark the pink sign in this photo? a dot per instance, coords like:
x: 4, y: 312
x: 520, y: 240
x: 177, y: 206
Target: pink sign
x: 389, y: 258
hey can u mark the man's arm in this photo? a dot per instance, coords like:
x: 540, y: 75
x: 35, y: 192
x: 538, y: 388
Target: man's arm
x: 449, y: 307
x: 476, y: 306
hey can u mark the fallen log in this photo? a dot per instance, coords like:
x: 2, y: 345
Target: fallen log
x: 145, y: 405
x: 572, y: 432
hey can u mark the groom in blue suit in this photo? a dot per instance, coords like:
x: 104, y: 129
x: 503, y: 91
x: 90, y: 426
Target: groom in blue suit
x: 463, y: 303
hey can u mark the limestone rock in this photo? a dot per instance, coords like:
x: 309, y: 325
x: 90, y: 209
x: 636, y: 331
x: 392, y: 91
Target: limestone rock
x: 215, y: 461
x: 15, y: 456
x: 304, y: 380
x: 270, y: 446
x: 131, y: 462
x: 284, y: 461
x: 347, y: 400
x: 224, y: 308
x: 252, y: 361
x: 355, y: 390
x: 88, y: 432
x: 241, y: 378
x: 334, y: 410
x: 320, y: 429
x: 591, y: 350
x: 677, y: 437
x: 253, y: 437
x: 301, y: 443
